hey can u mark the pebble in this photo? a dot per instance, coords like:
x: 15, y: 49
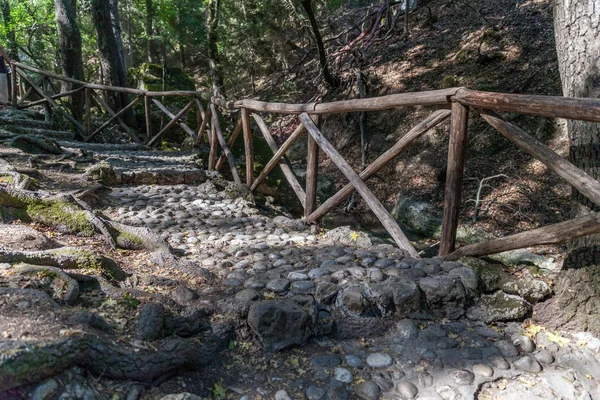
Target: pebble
x: 367, y: 390
x: 342, y: 375
x: 282, y: 395
x: 278, y: 285
x: 406, y: 330
x: 297, y: 276
x: 379, y: 360
x: 499, y: 362
x: 407, y: 390
x: 544, y: 356
x: 527, y: 364
x: 462, y: 377
x: 383, y: 380
x: 353, y: 361
x: 507, y: 349
x: 449, y: 393
x: 483, y: 370
x: 326, y: 361
x: 524, y: 343
x: 314, y: 393
x: 424, y: 378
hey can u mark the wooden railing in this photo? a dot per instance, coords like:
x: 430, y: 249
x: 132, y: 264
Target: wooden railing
x: 459, y: 101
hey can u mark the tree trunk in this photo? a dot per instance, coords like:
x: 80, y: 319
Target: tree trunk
x: 116, y: 22
x: 150, y: 45
x: 110, y: 58
x: 331, y: 79
x: 216, y: 73
x: 71, y: 59
x: 11, y: 37
x: 576, y: 304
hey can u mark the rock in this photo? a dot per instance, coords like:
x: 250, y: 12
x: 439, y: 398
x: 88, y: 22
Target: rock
x: 544, y: 356
x: 317, y: 272
x: 280, y: 324
x: 314, y: 393
x: 420, y: 217
x: 183, y: 295
x: 297, y: 276
x: 499, y: 362
x: 326, y: 361
x: 247, y: 295
x: 353, y: 361
x: 483, y: 370
x: 367, y: 390
x: 407, y: 390
x: 342, y: 375
x: 282, y: 395
x: 383, y: 380
x: 346, y: 236
x: 302, y: 287
x: 379, y: 360
x: 45, y: 390
x: 445, y: 296
x: 326, y: 292
x: 516, y: 257
x: 524, y: 343
x: 468, y: 277
x: 336, y: 391
x: 406, y: 330
x: 449, y: 393
x: 181, y: 396
x: 507, y: 349
x: 527, y: 364
x: 499, y: 307
x: 278, y: 285
x: 406, y: 295
x: 149, y: 325
x: 24, y: 238
x: 462, y: 377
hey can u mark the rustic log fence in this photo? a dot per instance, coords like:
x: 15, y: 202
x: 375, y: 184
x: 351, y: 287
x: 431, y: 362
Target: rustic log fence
x: 455, y: 105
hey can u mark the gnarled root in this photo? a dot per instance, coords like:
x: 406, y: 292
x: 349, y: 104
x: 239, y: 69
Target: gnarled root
x: 28, y: 362
x: 71, y: 286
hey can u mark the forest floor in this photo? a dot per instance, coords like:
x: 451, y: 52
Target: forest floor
x: 219, y: 298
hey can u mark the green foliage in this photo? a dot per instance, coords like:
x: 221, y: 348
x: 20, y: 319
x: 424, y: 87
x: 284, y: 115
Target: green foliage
x: 219, y: 391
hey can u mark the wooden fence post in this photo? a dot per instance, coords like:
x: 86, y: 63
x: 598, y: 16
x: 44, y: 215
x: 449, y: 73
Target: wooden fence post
x: 88, y: 112
x: 212, y: 155
x: 454, y: 177
x: 248, y: 147
x: 14, y: 85
x: 148, y: 115
x: 312, y: 175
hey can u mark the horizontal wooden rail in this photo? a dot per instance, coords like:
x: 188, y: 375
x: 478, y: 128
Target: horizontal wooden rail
x: 579, y: 179
x: 434, y: 97
x: 426, y: 125
x: 552, y: 234
x: 118, y: 89
x: 173, y: 121
x: 53, y: 97
x: 382, y: 214
x: 542, y: 106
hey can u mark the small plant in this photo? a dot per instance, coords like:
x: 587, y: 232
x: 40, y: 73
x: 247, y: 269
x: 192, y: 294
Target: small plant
x: 219, y: 391
x: 129, y: 301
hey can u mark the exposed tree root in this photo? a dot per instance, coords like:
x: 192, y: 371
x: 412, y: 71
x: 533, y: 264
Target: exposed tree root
x: 29, y: 362
x: 36, y: 144
x: 71, y: 285
x: 66, y: 258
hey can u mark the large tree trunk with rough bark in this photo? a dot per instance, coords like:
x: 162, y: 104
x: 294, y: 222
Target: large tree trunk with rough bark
x: 116, y: 22
x: 110, y: 58
x: 216, y: 73
x: 577, y: 301
x: 71, y: 60
x: 150, y: 44
x: 9, y: 28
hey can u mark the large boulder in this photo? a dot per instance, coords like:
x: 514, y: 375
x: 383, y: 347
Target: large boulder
x: 446, y: 296
x: 417, y: 216
x: 346, y: 236
x: 24, y: 238
x: 280, y: 324
x: 499, y: 306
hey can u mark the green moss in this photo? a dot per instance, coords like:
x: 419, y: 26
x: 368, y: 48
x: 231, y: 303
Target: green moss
x: 449, y: 82
x: 129, y: 241
x: 58, y: 213
x: 6, y: 179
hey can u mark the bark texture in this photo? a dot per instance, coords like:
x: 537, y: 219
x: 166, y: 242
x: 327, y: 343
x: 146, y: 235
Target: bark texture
x: 71, y: 60
x: 11, y: 36
x: 577, y: 30
x: 150, y: 44
x: 216, y: 73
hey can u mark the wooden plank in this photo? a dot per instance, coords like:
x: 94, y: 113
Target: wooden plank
x: 454, y: 176
x: 30, y: 91
x: 182, y: 124
x: 53, y: 103
x: 312, y: 176
x: 14, y: 87
x: 419, y: 130
x: 579, y: 179
x: 232, y: 139
x: 382, y: 214
x: 88, y: 111
x: 544, y: 106
x: 111, y: 112
x: 552, y: 234
x: 172, y: 122
x: 274, y: 161
x: 53, y: 97
x: 228, y: 153
x: 248, y: 147
x: 285, y: 168
x: 432, y: 97
x: 212, y: 154
x: 148, y: 116
x: 205, y: 120
x: 117, y: 115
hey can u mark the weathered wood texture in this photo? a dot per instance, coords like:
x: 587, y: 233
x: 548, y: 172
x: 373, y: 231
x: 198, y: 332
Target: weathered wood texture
x: 205, y: 123
x: 173, y: 121
x: 182, y: 124
x: 248, y: 147
x: 148, y: 116
x: 552, y: 234
x: 232, y: 139
x: 274, y: 161
x: 15, y: 87
x: 114, y: 117
x: 285, y: 168
x: 88, y: 111
x: 580, y: 180
x: 369, y: 104
x: 423, y: 127
x: 543, y: 106
x: 312, y: 176
x: 382, y: 214
x: 53, y: 97
x: 224, y: 147
x: 454, y: 177
x: 212, y: 154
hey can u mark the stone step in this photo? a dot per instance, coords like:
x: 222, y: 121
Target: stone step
x: 8, y: 123
x: 31, y: 114
x: 50, y: 133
